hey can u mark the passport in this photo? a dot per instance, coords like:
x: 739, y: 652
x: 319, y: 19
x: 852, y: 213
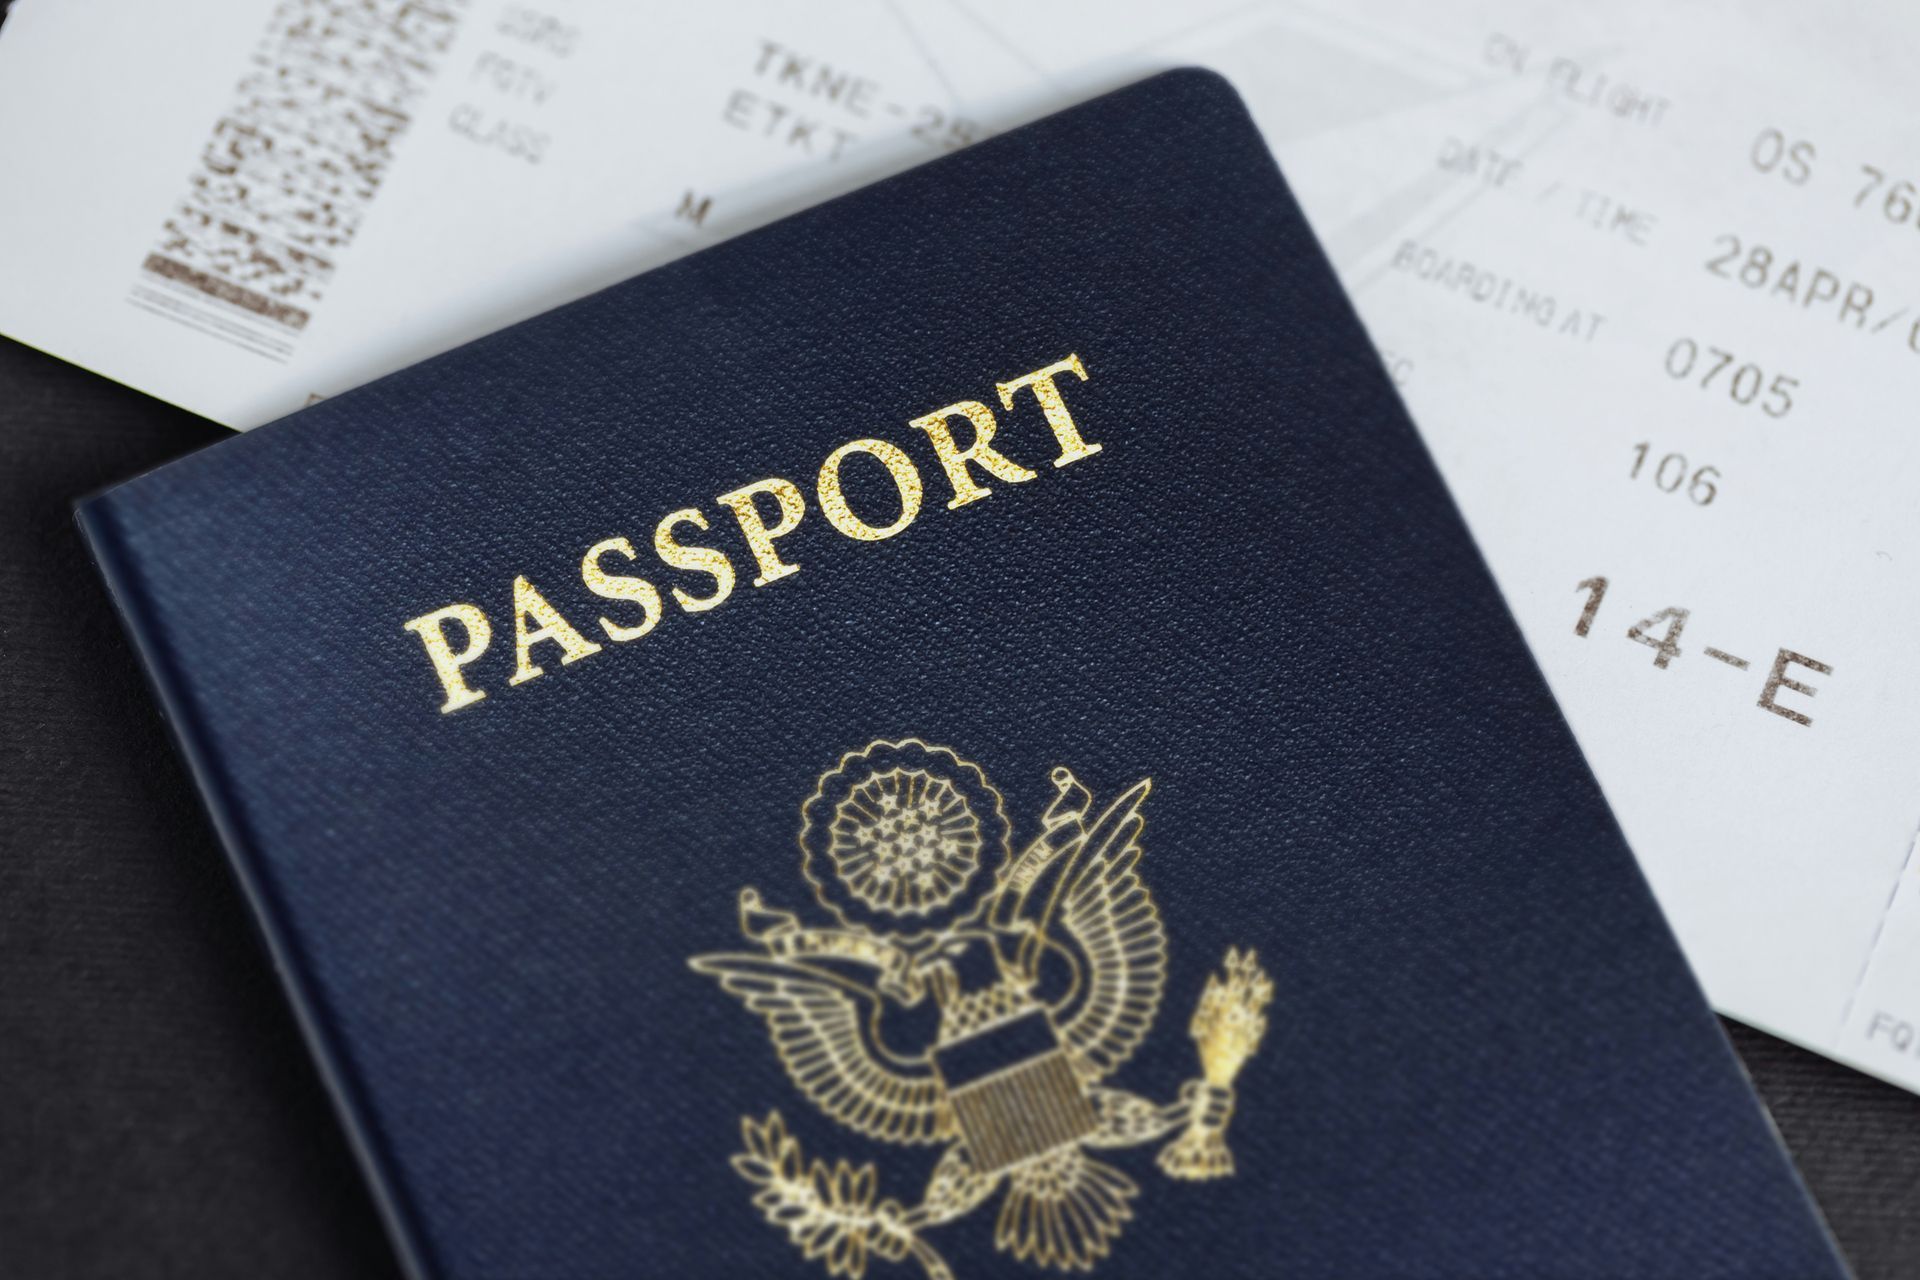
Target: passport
x: 959, y: 734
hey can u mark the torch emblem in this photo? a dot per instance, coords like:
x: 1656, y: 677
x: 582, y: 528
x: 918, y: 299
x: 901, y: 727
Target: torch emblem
x: 1029, y: 979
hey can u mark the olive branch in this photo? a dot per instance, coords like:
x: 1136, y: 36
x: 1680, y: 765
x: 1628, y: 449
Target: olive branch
x: 829, y: 1211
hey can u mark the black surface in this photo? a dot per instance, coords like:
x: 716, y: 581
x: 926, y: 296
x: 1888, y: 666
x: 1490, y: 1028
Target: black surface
x: 158, y: 1114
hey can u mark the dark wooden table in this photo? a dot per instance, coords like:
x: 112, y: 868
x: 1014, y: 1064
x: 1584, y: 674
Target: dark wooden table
x: 158, y: 1116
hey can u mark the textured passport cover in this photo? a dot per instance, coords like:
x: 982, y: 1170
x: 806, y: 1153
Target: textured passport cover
x: 742, y: 779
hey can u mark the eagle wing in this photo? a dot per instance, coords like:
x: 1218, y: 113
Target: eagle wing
x: 1121, y: 945
x: 818, y: 1022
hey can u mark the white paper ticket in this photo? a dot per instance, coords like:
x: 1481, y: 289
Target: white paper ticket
x: 1647, y: 275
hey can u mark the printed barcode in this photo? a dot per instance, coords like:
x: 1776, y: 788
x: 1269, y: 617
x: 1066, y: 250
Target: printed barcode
x: 291, y: 167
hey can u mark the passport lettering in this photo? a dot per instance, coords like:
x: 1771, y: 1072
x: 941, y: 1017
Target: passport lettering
x: 962, y: 439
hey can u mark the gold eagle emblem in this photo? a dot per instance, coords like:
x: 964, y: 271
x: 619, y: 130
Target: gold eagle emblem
x: 967, y: 997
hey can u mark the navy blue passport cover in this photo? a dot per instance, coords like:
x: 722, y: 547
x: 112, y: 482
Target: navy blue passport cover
x: 831, y: 928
